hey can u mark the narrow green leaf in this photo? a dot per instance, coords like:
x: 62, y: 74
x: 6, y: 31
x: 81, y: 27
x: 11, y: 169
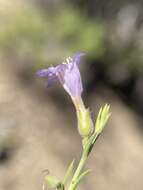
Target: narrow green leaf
x: 80, y: 178
x: 102, y: 118
x: 68, y: 172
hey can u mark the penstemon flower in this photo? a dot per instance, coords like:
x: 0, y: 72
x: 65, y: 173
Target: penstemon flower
x: 67, y: 73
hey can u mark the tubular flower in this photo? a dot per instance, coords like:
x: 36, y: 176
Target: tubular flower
x: 67, y: 73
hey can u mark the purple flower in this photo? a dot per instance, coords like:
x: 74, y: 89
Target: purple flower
x: 67, y: 73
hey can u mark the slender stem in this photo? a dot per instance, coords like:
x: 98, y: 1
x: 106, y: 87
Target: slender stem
x: 78, y: 171
x: 85, y: 153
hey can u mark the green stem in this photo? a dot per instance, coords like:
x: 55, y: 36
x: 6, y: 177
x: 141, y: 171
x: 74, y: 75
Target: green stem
x: 78, y: 171
x: 86, y: 151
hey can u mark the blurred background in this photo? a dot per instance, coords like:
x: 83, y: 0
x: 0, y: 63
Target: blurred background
x: 38, y: 125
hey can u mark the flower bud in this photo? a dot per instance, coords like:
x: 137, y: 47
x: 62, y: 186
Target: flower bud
x: 52, y: 182
x: 102, y: 118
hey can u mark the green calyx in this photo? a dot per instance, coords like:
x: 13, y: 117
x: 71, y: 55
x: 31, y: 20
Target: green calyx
x: 85, y: 124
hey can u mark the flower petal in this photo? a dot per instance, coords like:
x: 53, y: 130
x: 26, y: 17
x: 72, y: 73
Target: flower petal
x: 72, y: 81
x: 51, y: 80
x: 76, y: 57
x: 42, y: 73
x: 50, y: 73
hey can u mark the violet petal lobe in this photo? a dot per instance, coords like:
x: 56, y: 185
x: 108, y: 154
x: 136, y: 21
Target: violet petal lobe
x: 77, y: 56
x: 42, y: 73
x: 51, y: 80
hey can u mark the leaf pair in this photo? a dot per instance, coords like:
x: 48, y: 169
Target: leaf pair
x: 69, y: 173
x: 79, y: 179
